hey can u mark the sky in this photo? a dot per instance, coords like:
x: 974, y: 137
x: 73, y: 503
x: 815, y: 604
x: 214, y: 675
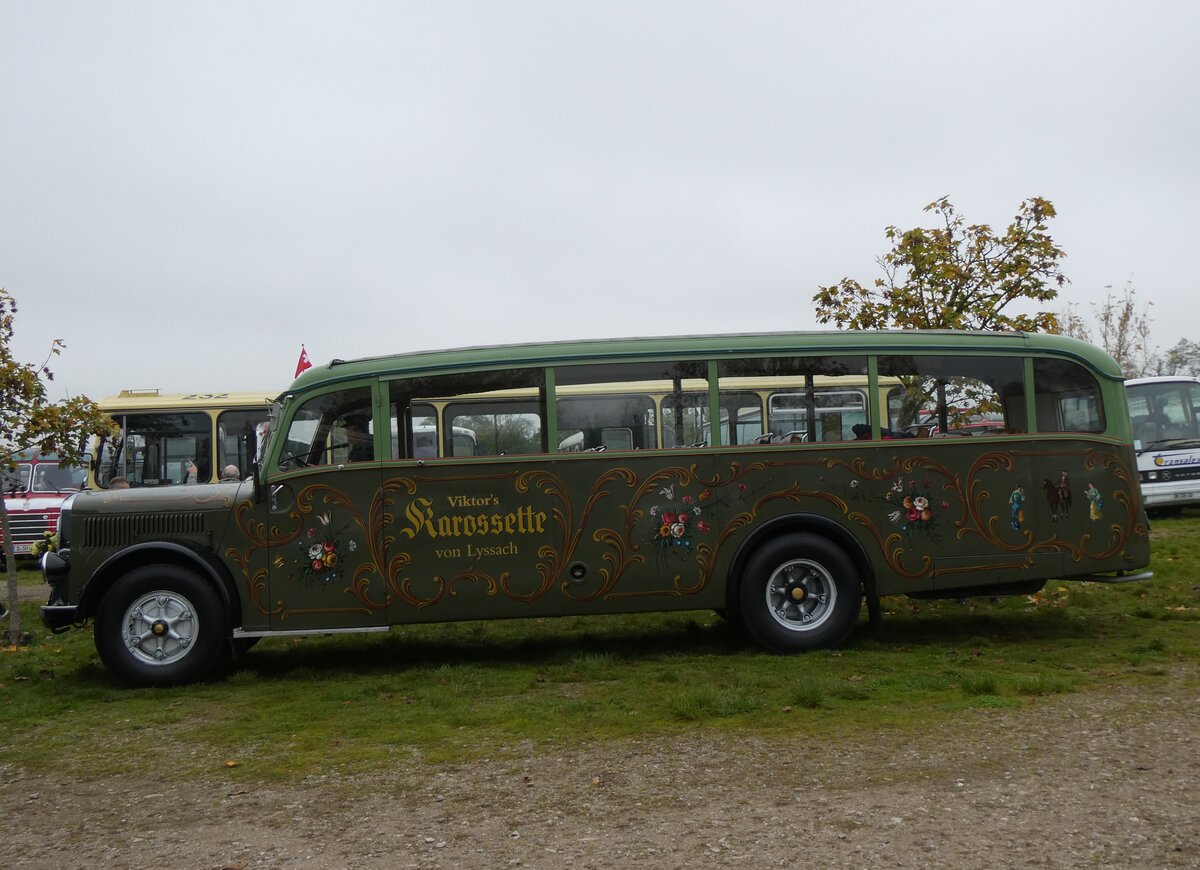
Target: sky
x: 190, y: 191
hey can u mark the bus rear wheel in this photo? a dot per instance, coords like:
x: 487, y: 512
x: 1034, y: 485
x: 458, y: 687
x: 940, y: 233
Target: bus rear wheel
x: 799, y: 592
x: 160, y: 625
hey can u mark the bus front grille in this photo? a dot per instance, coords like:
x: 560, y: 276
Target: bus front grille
x: 31, y: 526
x: 117, y: 531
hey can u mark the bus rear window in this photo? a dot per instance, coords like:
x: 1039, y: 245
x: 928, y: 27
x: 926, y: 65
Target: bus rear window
x: 1067, y: 397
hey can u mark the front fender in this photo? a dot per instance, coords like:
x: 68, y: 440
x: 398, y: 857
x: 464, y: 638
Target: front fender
x: 171, y: 552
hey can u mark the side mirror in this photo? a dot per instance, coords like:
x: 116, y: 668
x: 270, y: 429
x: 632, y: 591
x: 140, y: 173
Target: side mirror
x: 250, y: 451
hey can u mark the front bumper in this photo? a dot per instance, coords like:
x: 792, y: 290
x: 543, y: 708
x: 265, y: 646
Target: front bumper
x: 1170, y: 493
x: 57, y: 615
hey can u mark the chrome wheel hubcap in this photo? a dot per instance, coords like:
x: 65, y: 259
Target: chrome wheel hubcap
x: 801, y: 595
x: 160, y: 628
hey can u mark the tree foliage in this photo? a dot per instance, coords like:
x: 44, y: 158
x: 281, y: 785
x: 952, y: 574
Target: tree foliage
x: 29, y: 419
x: 1122, y: 328
x: 1072, y: 323
x: 955, y: 276
x: 1183, y: 359
x: 1124, y: 331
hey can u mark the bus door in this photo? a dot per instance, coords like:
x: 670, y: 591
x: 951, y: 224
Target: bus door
x: 466, y: 525
x: 321, y: 500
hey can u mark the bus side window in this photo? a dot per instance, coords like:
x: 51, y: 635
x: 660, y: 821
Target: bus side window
x: 586, y: 423
x: 319, y: 430
x: 617, y: 406
x: 493, y: 413
x: 954, y: 396
x: 807, y: 398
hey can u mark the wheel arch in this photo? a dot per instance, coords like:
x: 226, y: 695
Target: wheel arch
x: 791, y: 524
x: 160, y: 552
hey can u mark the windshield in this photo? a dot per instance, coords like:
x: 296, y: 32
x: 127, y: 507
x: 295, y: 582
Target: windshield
x: 237, y: 434
x: 16, y: 479
x: 157, y: 449
x: 51, y: 477
x: 1164, y: 412
x: 330, y: 429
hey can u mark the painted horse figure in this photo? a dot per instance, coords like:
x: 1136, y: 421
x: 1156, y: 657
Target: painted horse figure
x: 1059, y: 498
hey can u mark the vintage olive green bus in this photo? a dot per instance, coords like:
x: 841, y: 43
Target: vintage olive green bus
x: 782, y: 479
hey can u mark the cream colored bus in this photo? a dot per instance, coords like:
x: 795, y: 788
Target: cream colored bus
x: 163, y: 436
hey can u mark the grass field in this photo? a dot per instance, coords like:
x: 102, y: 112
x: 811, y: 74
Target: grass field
x: 322, y: 706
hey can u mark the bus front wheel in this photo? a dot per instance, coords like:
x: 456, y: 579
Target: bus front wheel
x: 160, y: 625
x: 799, y: 592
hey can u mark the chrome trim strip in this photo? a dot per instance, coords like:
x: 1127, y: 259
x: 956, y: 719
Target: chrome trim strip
x: 297, y: 632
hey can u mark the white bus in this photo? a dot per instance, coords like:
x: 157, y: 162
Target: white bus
x: 1165, y: 414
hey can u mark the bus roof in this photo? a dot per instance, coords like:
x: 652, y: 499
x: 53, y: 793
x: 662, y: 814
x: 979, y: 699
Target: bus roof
x: 1162, y: 379
x: 153, y: 400
x: 708, y: 346
x: 27, y: 454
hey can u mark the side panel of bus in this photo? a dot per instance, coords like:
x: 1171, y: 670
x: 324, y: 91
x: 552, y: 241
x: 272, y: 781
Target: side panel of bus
x: 392, y: 543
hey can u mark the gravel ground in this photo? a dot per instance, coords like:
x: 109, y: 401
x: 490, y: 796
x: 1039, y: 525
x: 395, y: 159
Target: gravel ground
x: 1101, y: 779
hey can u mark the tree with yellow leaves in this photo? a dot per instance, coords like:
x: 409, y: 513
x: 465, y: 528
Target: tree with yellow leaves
x: 28, y: 419
x: 955, y: 276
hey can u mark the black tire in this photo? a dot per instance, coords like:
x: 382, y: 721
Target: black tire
x: 160, y: 625
x: 799, y: 592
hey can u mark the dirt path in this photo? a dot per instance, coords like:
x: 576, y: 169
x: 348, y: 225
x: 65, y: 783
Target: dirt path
x: 1098, y: 780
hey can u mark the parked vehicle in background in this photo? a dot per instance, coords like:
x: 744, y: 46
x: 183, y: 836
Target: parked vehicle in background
x: 973, y: 424
x: 34, y: 491
x: 163, y: 436
x: 1165, y: 415
x: 757, y: 475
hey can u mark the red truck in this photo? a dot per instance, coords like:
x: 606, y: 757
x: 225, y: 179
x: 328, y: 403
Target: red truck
x: 34, y: 490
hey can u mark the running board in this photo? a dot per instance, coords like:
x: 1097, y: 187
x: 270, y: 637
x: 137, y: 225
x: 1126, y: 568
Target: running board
x: 1119, y: 577
x: 299, y: 632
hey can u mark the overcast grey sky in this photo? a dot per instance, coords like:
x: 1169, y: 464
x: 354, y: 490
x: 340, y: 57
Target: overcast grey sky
x: 189, y: 191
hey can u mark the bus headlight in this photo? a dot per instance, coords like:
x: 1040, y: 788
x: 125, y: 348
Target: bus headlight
x: 56, y: 565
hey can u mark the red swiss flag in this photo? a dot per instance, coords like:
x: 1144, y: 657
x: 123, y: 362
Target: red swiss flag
x: 302, y: 363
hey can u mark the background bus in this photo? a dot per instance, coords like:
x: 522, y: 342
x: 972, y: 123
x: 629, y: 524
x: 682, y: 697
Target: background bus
x: 1165, y: 413
x: 643, y: 415
x: 162, y: 435
x: 34, y: 491
x: 661, y: 414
